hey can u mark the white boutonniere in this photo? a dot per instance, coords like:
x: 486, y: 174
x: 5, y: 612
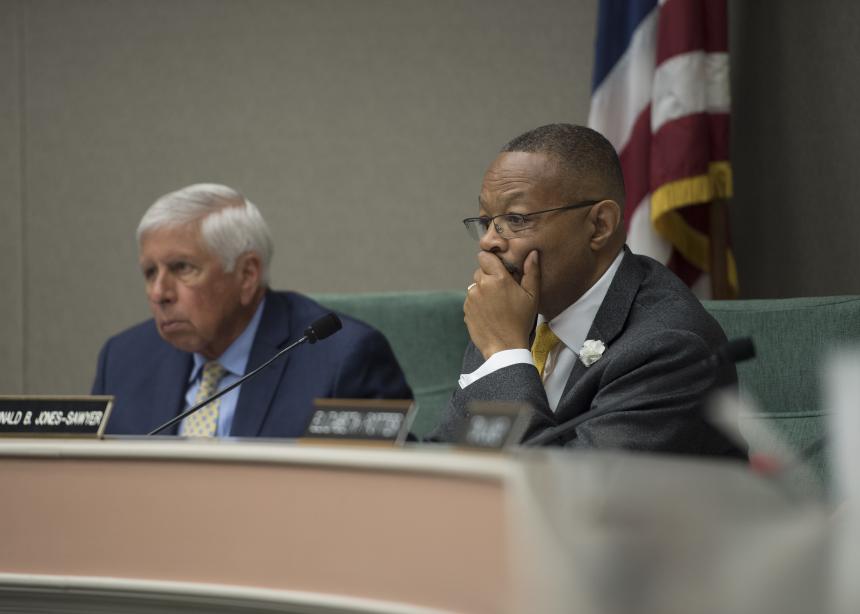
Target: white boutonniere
x: 591, y: 351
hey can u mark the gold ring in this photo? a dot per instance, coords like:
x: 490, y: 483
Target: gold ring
x: 472, y: 285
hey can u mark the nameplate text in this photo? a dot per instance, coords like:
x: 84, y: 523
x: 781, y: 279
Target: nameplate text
x: 381, y: 420
x: 38, y: 416
x: 493, y: 425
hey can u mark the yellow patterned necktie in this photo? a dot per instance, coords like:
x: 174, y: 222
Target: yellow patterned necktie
x: 204, y: 422
x: 545, y: 341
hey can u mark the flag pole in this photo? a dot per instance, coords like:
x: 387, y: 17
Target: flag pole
x: 718, y: 231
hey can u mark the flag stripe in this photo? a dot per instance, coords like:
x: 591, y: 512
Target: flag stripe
x: 621, y: 98
x: 718, y: 126
x: 640, y: 233
x: 677, y: 150
x: 617, y: 20
x: 684, y: 26
x: 716, y: 25
x: 690, y: 83
x: 635, y: 165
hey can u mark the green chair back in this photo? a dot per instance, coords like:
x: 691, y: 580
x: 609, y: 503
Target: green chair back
x: 793, y: 338
x: 428, y: 336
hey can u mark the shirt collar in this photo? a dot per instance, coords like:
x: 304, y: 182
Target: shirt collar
x: 235, y: 358
x: 572, y: 324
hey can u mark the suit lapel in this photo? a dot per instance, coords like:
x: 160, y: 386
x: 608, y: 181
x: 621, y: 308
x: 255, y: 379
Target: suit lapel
x: 256, y: 395
x: 169, y: 395
x: 610, y: 318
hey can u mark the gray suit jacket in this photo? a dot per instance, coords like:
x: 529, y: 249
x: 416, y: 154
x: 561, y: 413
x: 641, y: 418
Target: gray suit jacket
x: 645, y: 392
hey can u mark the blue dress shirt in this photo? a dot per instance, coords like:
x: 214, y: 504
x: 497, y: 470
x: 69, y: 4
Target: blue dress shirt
x: 235, y: 361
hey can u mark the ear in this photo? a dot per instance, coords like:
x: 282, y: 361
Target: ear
x: 605, y: 217
x: 249, y: 270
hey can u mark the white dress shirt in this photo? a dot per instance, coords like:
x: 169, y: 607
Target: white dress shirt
x: 571, y: 326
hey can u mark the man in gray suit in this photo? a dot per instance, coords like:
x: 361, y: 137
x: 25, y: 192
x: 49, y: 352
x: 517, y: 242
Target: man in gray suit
x: 620, y: 348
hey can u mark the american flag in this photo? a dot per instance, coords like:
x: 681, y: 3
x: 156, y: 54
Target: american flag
x: 660, y: 94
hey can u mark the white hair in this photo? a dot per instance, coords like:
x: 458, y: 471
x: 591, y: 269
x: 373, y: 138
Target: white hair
x: 229, y: 223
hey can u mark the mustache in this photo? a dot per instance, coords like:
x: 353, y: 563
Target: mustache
x: 512, y: 268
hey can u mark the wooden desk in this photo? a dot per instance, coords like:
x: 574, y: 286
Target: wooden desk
x: 349, y: 527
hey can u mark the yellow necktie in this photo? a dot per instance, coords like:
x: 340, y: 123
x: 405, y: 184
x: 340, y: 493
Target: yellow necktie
x: 545, y: 341
x: 204, y: 422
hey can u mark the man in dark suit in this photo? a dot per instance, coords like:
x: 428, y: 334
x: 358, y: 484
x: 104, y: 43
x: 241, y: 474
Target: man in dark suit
x: 204, y: 252
x: 619, y: 346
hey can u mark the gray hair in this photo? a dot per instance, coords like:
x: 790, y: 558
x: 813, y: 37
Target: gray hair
x: 229, y: 223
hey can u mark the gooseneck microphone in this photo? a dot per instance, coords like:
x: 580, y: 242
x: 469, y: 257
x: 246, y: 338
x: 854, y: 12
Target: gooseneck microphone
x: 734, y: 351
x: 318, y: 330
x: 321, y: 328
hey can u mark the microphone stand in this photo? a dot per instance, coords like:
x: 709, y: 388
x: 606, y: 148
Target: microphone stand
x: 221, y: 393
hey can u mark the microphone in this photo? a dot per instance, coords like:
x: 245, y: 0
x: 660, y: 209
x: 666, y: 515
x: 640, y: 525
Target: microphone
x: 319, y: 329
x: 322, y: 327
x: 733, y: 351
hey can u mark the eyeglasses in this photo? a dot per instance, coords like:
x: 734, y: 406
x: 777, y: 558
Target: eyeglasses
x: 508, y: 225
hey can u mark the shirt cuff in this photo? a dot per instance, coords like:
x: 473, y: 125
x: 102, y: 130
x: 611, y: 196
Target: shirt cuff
x: 497, y: 361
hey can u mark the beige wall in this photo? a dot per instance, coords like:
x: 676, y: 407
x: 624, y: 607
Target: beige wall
x: 361, y: 128
x: 12, y: 286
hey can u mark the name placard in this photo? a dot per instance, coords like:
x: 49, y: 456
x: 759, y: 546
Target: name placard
x: 370, y: 420
x: 54, y: 416
x: 493, y: 425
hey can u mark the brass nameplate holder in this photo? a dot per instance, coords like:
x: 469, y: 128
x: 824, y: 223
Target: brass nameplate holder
x: 361, y: 420
x: 54, y: 416
x: 493, y: 425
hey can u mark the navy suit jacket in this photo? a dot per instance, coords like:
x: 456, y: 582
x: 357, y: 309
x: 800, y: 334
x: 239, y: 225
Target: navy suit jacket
x: 148, y: 377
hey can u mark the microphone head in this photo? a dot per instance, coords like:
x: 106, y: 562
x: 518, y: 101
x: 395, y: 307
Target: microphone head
x: 738, y: 350
x: 323, y: 327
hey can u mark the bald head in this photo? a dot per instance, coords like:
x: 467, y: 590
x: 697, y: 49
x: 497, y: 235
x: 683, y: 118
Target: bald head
x: 587, y: 161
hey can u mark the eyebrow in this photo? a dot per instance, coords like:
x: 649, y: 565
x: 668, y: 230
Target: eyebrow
x: 506, y: 200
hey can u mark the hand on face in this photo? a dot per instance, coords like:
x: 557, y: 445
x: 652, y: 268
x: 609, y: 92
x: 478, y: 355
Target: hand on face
x: 499, y: 312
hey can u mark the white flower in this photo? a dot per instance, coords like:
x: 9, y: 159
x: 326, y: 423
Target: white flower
x: 591, y: 351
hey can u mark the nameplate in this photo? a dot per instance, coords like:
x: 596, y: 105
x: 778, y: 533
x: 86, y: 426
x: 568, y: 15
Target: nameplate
x: 54, y: 416
x: 493, y: 425
x: 368, y: 420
